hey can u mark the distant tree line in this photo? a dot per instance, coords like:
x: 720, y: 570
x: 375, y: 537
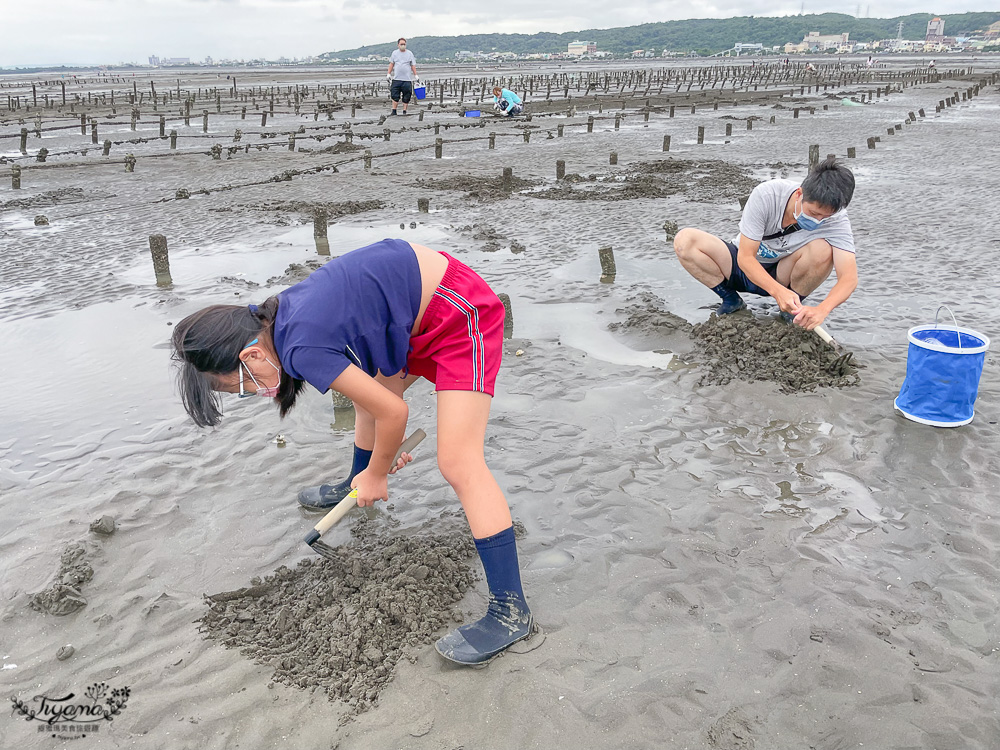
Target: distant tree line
x: 703, y: 35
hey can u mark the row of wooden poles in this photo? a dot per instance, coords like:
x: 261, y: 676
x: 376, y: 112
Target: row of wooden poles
x: 160, y: 256
x: 631, y: 81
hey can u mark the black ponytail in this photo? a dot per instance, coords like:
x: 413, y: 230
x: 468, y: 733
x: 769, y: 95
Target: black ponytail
x: 208, y: 344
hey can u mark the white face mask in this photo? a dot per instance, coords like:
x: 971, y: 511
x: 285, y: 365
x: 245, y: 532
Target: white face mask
x: 271, y: 392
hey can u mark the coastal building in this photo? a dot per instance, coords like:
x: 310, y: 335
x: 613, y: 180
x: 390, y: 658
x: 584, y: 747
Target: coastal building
x: 935, y: 30
x: 993, y: 31
x: 816, y: 41
x: 581, y: 48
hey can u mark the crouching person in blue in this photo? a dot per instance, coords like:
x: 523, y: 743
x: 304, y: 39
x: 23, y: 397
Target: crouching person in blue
x: 507, y: 101
x: 368, y: 324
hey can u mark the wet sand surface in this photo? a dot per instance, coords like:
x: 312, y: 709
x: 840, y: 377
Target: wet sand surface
x: 715, y: 563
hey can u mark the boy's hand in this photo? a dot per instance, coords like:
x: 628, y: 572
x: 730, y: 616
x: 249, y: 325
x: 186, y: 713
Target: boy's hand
x: 809, y: 317
x: 788, y: 301
x: 371, y: 486
x: 403, y: 460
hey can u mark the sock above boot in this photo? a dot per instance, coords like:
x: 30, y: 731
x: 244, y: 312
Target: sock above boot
x: 508, y: 618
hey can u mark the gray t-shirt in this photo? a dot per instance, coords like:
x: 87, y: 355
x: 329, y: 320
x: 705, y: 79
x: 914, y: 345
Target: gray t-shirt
x: 402, y: 65
x: 764, y: 212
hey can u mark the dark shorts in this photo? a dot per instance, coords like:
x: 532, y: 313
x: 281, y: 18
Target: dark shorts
x: 738, y: 280
x: 402, y: 89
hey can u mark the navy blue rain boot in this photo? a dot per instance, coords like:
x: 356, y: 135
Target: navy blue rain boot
x: 731, y: 300
x: 326, y: 496
x: 508, y: 619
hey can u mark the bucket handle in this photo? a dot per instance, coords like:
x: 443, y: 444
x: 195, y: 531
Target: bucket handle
x: 957, y: 332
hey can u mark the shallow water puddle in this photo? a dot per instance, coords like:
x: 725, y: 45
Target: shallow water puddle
x: 576, y: 325
x: 77, y: 384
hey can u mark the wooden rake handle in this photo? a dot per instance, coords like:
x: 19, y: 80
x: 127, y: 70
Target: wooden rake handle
x: 342, y: 508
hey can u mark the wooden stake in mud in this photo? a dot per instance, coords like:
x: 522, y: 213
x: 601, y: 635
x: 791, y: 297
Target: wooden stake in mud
x: 24, y: 141
x: 559, y: 131
x: 173, y: 139
x: 608, y: 268
x: 263, y: 119
x: 666, y: 143
x: 319, y: 232
x: 107, y: 146
x: 871, y: 143
x: 613, y: 159
x: 93, y: 131
x: 493, y: 140
x: 15, y: 177
x: 590, y: 124
x: 729, y: 128
x: 129, y: 163
x: 701, y: 134
x: 438, y: 147
x: 560, y: 169
x: 161, y: 262
x: 508, y: 316
x: 507, y: 180
x: 813, y: 156
x: 368, y: 160
x: 851, y: 152
x: 163, y: 125
x: 423, y: 205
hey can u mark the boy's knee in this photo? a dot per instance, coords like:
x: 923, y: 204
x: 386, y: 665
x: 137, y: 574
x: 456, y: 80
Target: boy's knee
x: 684, y: 241
x: 821, y: 251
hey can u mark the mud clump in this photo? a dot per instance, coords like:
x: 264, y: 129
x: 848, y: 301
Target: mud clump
x: 296, y: 272
x: 703, y: 181
x: 63, y: 597
x: 740, y: 347
x: 48, y: 198
x: 481, y: 189
x: 645, y: 314
x: 334, y: 210
x: 342, y: 624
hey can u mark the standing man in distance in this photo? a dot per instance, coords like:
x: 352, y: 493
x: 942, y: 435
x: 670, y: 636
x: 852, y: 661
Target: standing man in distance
x: 791, y: 237
x: 402, y: 75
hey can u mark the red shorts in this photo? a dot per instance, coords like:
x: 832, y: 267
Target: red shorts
x: 460, y: 342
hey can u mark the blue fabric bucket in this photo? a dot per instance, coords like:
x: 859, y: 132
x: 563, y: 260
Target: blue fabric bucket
x: 420, y: 92
x: 943, y: 366
x: 473, y: 112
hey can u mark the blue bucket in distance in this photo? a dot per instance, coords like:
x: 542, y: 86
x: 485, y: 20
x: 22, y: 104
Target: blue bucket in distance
x: 420, y: 92
x: 473, y: 112
x: 943, y: 367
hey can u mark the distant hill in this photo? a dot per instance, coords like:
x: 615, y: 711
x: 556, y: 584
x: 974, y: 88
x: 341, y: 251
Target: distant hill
x: 705, y: 35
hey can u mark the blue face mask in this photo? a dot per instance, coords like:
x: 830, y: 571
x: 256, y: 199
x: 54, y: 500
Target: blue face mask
x: 806, y: 221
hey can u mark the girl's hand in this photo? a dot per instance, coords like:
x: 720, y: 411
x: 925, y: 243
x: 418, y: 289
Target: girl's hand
x: 371, y: 486
x: 403, y: 460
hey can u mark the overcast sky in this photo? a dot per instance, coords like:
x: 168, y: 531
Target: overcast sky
x: 87, y: 32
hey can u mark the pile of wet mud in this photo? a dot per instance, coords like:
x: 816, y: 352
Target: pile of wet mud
x: 63, y: 596
x: 703, y: 181
x: 481, y: 189
x: 342, y: 624
x: 741, y: 347
x: 644, y: 314
x: 492, y: 239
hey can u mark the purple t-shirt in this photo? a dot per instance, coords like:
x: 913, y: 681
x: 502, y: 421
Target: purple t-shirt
x: 357, y: 309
